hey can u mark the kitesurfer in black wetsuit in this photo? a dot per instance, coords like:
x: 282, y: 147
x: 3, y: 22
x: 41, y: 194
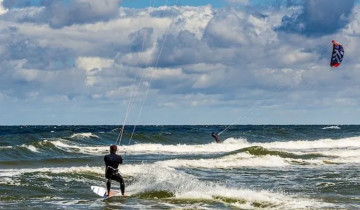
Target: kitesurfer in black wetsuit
x: 216, y: 137
x: 112, y: 162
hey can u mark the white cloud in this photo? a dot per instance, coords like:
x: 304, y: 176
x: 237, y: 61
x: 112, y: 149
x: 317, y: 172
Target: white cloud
x: 2, y: 9
x: 193, y: 19
x: 27, y: 75
x: 90, y: 63
x: 142, y: 58
x: 164, y: 73
x: 210, y: 79
x: 319, y: 17
x: 207, y: 58
x: 92, y: 66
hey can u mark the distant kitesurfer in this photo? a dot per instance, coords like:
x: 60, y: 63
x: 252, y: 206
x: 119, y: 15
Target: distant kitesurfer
x: 216, y: 137
x: 112, y: 162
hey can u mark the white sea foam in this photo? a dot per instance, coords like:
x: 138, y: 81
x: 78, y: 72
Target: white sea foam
x: 35, y: 148
x: 230, y: 161
x: 10, y: 181
x: 342, y: 153
x: 156, y: 177
x: 75, y: 148
x: 347, y: 147
x: 230, y: 144
x: 342, y: 160
x: 62, y: 144
x: 313, y: 145
x: 345, y: 150
x: 185, y: 186
x: 31, y: 148
x: 186, y: 149
x: 331, y: 127
x: 84, y: 135
x: 153, y: 148
x: 64, y: 202
x: 83, y: 169
x: 160, y: 177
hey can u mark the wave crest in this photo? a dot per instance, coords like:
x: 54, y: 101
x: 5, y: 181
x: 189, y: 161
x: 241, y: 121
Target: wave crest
x: 331, y: 127
x: 83, y: 136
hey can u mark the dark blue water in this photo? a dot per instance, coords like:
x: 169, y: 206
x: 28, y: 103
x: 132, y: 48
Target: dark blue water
x: 277, y: 166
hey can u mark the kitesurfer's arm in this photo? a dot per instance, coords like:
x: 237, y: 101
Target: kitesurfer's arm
x: 105, y: 160
x: 120, y: 159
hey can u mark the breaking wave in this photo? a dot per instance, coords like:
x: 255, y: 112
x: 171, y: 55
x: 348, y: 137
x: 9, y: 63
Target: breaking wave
x: 331, y: 127
x: 154, y: 181
x: 83, y: 135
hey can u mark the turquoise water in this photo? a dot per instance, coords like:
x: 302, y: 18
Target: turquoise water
x: 279, y: 167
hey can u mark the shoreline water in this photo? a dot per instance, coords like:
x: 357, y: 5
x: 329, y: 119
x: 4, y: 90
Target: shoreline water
x: 257, y: 166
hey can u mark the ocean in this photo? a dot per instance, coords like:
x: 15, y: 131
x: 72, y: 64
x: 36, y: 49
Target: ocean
x: 174, y: 167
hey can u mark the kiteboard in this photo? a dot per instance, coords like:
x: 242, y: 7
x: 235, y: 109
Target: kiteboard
x: 102, y: 192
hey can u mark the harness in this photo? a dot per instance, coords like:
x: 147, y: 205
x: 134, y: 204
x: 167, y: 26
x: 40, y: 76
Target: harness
x: 112, y: 170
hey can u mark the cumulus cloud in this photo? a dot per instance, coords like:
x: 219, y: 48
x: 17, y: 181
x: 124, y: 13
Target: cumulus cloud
x: 59, y: 13
x: 319, y: 17
x: 92, y: 66
x: 90, y: 63
x: 80, y: 11
x: 195, y: 58
x: 2, y: 9
x: 179, y: 49
x: 35, y: 55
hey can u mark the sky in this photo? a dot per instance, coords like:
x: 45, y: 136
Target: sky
x: 176, y: 62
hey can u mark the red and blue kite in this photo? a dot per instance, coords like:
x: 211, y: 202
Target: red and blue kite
x: 337, y: 54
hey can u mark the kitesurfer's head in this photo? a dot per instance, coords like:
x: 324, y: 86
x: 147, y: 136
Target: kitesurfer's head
x: 113, y: 149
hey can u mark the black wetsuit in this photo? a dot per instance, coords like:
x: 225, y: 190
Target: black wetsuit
x: 216, y: 137
x: 112, y: 162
